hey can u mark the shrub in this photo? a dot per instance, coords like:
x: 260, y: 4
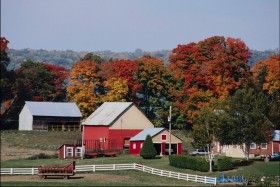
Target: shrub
x: 242, y: 162
x: 224, y: 164
x: 148, y: 150
x: 189, y: 162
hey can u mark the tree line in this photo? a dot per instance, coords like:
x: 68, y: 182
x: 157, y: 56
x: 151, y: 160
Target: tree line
x: 210, y: 75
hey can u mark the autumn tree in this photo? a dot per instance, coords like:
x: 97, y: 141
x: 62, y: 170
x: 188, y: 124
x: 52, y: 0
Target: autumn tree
x: 212, y: 68
x: 266, y: 73
x: 154, y: 81
x: 81, y: 89
x: 116, y: 90
x: 123, y: 70
x: 34, y: 82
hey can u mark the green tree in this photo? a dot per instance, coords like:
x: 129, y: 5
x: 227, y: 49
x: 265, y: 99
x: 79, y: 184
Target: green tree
x: 148, y: 150
x: 246, y: 119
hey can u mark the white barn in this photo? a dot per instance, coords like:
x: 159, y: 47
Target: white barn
x: 50, y: 116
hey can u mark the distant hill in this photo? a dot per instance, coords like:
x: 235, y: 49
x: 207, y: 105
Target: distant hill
x: 68, y: 58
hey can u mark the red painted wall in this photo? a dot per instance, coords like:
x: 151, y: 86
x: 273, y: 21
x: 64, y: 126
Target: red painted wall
x: 114, y: 137
x: 163, y: 145
x: 120, y: 135
x: 179, y: 148
x: 260, y: 151
x: 137, y: 147
x: 276, y: 147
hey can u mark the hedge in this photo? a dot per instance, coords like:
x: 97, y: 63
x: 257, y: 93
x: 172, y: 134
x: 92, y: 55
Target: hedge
x: 224, y: 164
x: 189, y: 162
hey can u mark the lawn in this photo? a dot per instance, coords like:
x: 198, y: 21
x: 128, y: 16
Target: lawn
x: 51, y: 140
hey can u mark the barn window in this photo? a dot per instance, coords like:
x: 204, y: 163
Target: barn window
x: 163, y: 137
x: 263, y: 145
x: 69, y: 151
x: 134, y: 146
x: 78, y: 152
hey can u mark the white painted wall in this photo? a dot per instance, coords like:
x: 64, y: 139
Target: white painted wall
x: 133, y: 118
x: 25, y: 119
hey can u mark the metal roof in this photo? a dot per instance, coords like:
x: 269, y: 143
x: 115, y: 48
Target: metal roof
x: 107, y: 113
x: 57, y: 109
x: 141, y: 136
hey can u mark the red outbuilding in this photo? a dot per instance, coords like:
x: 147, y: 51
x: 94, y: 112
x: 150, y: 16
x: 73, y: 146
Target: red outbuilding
x: 110, y: 127
x: 161, y: 139
x: 70, y: 151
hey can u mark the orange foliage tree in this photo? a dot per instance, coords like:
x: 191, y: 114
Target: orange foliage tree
x: 81, y: 89
x: 267, y: 74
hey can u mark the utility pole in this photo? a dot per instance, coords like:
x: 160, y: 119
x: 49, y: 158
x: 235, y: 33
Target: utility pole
x: 169, y: 120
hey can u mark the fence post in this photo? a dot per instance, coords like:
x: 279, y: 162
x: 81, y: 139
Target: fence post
x: 11, y: 172
x: 195, y: 178
x: 161, y: 172
x: 93, y: 168
x: 187, y: 177
x: 205, y: 179
x: 215, y: 181
x: 114, y: 166
x: 32, y: 171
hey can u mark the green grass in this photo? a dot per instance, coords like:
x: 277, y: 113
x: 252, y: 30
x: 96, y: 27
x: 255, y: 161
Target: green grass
x: 43, y: 140
x: 52, y: 140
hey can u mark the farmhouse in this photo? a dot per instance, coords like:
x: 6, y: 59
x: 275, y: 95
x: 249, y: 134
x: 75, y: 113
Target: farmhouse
x: 50, y: 116
x: 263, y: 149
x: 161, y: 138
x: 110, y: 127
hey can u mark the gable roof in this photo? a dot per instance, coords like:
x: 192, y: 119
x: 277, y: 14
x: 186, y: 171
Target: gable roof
x: 56, y: 109
x: 141, y: 136
x: 107, y: 113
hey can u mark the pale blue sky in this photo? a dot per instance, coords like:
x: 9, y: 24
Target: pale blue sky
x: 126, y: 25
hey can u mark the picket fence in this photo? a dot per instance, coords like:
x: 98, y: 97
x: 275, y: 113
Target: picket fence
x: 108, y: 167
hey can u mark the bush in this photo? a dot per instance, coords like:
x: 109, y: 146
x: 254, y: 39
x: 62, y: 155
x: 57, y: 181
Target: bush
x: 242, y: 162
x: 189, y: 162
x: 148, y: 150
x: 224, y: 164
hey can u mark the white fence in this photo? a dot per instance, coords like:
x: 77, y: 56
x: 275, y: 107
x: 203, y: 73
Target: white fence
x: 108, y: 167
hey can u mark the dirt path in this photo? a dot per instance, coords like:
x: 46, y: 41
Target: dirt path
x: 10, y: 153
x: 35, y: 178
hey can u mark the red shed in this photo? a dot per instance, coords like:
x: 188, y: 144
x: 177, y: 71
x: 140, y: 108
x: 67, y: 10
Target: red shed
x: 161, y: 138
x: 70, y: 151
x: 110, y: 127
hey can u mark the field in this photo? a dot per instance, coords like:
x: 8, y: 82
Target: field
x: 107, y: 178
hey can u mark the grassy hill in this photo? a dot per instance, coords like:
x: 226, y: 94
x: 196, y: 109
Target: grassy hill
x: 44, y: 140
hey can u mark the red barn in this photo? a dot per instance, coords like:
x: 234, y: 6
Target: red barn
x: 161, y: 138
x: 111, y: 126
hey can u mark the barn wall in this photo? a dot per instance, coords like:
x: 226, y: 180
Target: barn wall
x: 120, y: 134
x: 133, y: 118
x: 25, y: 119
x: 135, y: 147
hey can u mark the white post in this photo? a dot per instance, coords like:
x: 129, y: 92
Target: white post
x: 32, y: 171
x: 93, y: 168
x: 11, y: 172
x: 169, y: 120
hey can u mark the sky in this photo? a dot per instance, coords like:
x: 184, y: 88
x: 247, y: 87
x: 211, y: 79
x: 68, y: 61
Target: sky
x: 127, y: 25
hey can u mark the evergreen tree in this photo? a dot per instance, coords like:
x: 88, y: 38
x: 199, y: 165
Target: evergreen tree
x: 148, y: 150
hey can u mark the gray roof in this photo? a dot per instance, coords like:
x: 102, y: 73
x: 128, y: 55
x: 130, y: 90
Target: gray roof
x: 107, y: 113
x: 57, y: 109
x: 141, y: 136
